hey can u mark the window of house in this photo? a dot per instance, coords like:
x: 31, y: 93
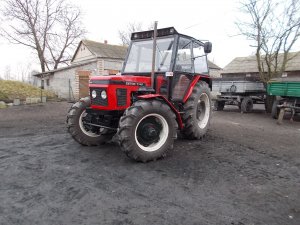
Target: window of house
x: 48, y: 82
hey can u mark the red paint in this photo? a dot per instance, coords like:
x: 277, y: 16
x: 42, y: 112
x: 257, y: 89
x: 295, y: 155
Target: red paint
x: 112, y: 89
x: 178, y: 117
x: 192, y: 85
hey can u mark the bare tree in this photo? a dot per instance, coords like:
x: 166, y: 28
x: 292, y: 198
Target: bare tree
x: 274, y: 27
x: 125, y: 35
x: 49, y: 27
x: 7, y: 73
x: 23, y: 72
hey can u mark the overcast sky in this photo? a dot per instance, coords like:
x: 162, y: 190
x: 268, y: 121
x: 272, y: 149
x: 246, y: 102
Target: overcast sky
x: 203, y: 19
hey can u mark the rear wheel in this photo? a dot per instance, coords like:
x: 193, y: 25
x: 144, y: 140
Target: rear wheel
x: 147, y: 130
x: 83, y: 133
x: 197, y: 112
x: 246, y: 105
x: 275, y: 110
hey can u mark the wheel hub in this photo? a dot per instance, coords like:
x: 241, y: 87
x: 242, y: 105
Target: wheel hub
x: 148, y: 131
x: 200, y: 110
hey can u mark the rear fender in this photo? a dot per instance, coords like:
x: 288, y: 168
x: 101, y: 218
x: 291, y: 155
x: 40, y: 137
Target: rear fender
x: 193, y: 83
x: 155, y: 96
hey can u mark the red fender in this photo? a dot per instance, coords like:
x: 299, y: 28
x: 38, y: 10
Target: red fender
x: 178, y: 117
x: 192, y: 85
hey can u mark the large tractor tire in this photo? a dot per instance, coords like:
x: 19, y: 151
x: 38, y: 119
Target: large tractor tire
x: 246, y: 105
x: 275, y: 110
x: 147, y: 130
x: 197, y: 112
x: 85, y: 134
x: 219, y: 105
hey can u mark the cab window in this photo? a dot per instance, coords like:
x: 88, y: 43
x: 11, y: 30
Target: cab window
x: 184, y: 56
x: 200, y: 61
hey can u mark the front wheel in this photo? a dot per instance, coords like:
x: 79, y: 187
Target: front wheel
x: 197, y: 112
x: 80, y: 130
x: 147, y: 130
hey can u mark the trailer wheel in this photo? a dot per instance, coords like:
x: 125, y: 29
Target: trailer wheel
x: 269, y: 100
x: 275, y: 111
x: 82, y: 133
x: 147, y: 130
x: 197, y: 112
x: 246, y: 105
x: 219, y: 105
x: 239, y: 104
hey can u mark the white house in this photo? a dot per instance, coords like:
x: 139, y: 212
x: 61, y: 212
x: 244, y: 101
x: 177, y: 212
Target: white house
x: 90, y: 59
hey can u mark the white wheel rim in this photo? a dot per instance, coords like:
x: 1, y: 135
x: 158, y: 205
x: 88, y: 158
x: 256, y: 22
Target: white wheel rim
x: 203, y: 117
x: 163, y: 135
x: 83, y: 129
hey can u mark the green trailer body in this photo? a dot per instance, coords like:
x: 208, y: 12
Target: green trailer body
x: 284, y: 88
x: 287, y: 92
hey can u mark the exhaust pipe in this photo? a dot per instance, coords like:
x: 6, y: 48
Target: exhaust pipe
x: 153, y: 55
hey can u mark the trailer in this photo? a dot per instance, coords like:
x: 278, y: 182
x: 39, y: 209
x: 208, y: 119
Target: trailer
x: 240, y: 91
x: 287, y: 96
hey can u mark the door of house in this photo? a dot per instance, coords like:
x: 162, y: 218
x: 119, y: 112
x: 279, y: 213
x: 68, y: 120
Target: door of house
x: 84, y: 77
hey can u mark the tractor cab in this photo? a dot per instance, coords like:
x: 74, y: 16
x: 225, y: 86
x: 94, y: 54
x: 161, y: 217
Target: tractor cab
x: 178, y: 58
x: 174, y: 52
x: 163, y: 87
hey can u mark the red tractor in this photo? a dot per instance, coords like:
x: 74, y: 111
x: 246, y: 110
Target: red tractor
x: 164, y: 87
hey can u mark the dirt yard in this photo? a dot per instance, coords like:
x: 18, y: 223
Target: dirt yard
x: 246, y: 171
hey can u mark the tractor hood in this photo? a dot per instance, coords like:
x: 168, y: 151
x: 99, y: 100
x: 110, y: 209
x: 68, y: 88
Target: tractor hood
x: 114, y: 92
x: 127, y: 80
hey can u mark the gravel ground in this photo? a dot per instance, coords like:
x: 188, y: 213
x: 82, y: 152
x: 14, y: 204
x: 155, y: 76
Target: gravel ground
x: 246, y: 171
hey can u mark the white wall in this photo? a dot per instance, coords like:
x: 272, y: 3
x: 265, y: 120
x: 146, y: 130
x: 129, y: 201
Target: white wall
x: 83, y: 54
x: 59, y: 82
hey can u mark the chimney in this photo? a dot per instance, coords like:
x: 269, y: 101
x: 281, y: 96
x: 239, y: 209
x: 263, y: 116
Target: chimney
x: 105, y: 41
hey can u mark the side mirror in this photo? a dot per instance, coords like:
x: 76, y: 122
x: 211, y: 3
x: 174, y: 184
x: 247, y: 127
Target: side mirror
x: 207, y: 47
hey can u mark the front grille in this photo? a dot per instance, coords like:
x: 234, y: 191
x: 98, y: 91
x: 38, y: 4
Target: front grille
x: 98, y: 100
x: 121, y: 96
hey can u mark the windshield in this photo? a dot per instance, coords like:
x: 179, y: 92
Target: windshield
x: 140, y: 56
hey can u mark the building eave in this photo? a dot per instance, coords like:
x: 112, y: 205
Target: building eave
x: 51, y: 72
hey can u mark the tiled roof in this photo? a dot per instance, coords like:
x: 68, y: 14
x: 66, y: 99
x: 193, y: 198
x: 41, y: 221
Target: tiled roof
x: 249, y: 64
x: 211, y: 65
x: 105, y: 50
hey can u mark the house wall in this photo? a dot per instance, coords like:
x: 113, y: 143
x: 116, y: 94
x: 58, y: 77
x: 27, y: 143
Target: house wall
x: 65, y: 84
x: 100, y: 67
x: 232, y: 75
x: 214, y: 73
x: 293, y: 73
x: 112, y: 66
x: 83, y: 54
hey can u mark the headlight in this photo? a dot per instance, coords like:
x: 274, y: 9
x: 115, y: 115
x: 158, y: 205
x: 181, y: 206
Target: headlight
x: 94, y: 94
x: 103, y: 94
